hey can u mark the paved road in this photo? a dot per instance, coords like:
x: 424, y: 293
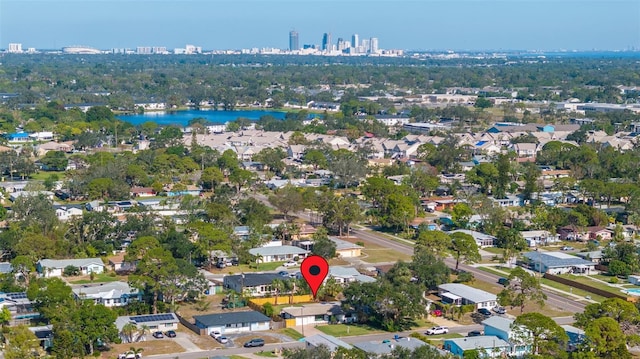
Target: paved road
x: 552, y: 298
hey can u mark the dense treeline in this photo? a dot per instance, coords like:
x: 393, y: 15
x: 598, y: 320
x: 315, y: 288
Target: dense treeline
x: 228, y: 79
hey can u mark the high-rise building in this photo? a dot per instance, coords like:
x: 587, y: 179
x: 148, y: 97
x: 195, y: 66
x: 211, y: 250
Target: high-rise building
x: 355, y: 41
x: 374, y: 45
x: 326, y: 42
x: 15, y: 48
x: 293, y: 41
x: 366, y: 45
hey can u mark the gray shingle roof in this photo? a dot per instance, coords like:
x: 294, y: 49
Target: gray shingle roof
x: 556, y: 259
x: 253, y: 279
x: 277, y: 250
x: 381, y: 348
x: 479, y: 342
x: 500, y: 323
x: 222, y: 319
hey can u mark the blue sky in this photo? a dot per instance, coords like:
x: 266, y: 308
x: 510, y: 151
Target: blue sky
x: 398, y: 24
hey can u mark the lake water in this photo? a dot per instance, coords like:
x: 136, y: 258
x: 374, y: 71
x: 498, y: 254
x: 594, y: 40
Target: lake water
x: 182, y: 118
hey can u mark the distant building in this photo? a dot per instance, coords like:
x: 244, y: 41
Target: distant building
x: 294, y: 44
x: 15, y: 48
x: 55, y: 267
x: 326, y: 42
x: 236, y: 322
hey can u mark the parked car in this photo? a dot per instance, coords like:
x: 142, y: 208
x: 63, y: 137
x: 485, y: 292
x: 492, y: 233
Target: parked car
x: 503, y: 281
x: 436, y: 313
x: 130, y: 355
x: 158, y: 335
x: 170, y: 334
x: 567, y: 248
x: 222, y: 339
x: 474, y: 333
x: 437, y: 330
x: 484, y: 311
x: 257, y: 342
x: 215, y: 334
x: 290, y: 264
x: 499, y: 310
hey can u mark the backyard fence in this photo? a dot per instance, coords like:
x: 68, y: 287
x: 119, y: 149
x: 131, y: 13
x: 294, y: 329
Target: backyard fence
x: 585, y: 287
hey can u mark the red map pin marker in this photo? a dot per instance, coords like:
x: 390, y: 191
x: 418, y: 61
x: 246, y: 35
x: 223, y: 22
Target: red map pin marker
x: 314, y: 269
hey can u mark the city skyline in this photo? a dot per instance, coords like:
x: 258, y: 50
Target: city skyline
x: 460, y: 25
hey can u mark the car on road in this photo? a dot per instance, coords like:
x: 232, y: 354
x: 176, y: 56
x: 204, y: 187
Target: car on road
x: 215, y: 334
x: 257, y: 342
x: 484, y: 311
x: 170, y: 334
x: 503, y: 281
x: 437, y: 330
x: 500, y: 310
x: 283, y: 273
x: 567, y: 248
x: 222, y: 339
x: 474, y: 333
x: 289, y: 264
x: 158, y: 335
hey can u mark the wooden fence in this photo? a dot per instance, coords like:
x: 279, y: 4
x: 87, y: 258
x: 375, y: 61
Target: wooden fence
x: 191, y: 326
x: 585, y: 287
x: 283, y: 299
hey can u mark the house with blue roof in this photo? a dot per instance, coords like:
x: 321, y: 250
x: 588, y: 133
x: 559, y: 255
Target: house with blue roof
x: 502, y: 327
x: 18, y: 137
x: 488, y: 346
x: 558, y: 263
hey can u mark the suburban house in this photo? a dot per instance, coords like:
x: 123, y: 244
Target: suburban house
x: 482, y: 240
x: 55, y: 267
x: 558, y: 263
x: 573, y: 233
x: 236, y: 322
x: 502, y: 328
x: 509, y: 201
x: 538, y: 238
x: 594, y: 256
x: 256, y: 284
x: 576, y: 336
x: 142, y: 192
x: 329, y: 341
x: 278, y: 253
x: 345, y: 275
x: 599, y: 233
x: 20, y: 307
x: 489, y: 346
x: 64, y: 213
x: 346, y: 249
x: 377, y: 349
x: 118, y: 264
x: 461, y: 294
x: 155, y: 322
x: 314, y: 313
x: 110, y: 294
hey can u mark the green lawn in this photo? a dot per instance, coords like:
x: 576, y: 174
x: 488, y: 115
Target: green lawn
x: 379, y: 255
x: 590, y: 282
x: 494, y: 250
x: 43, y: 175
x: 343, y: 330
x: 99, y: 278
x: 445, y: 336
x: 502, y: 272
x: 569, y: 289
x: 292, y: 333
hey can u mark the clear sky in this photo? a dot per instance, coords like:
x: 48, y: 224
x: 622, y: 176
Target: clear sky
x: 398, y: 24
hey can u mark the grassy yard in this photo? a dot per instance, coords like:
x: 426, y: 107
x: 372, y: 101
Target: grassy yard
x: 149, y: 347
x: 590, y: 282
x: 266, y: 354
x: 292, y: 333
x: 445, y: 336
x: 503, y: 272
x: 494, y: 250
x: 343, y: 330
x: 99, y: 278
x: 569, y: 289
x: 43, y: 175
x: 380, y: 255
x: 244, y: 268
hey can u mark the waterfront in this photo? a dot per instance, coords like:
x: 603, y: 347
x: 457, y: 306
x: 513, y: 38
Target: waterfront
x: 182, y: 118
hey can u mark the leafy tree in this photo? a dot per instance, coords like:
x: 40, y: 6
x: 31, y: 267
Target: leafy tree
x: 253, y: 213
x: 315, y: 157
x: 607, y: 339
x: 547, y: 337
x: 272, y: 159
x: 523, y: 288
x: 429, y: 270
x: 484, y: 175
x: 463, y: 246
x: 55, y: 160
x: 21, y: 343
x: 460, y: 214
x: 340, y: 212
x: 322, y: 245
x: 482, y: 103
x: 347, y: 167
x: 434, y: 242
x: 36, y: 212
x: 287, y: 200
x: 623, y: 312
x: 211, y: 177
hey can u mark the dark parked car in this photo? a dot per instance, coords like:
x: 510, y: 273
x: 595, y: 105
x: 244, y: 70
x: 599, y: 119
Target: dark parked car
x: 474, y: 333
x: 503, y: 281
x: 158, y: 335
x: 484, y: 311
x: 170, y: 334
x: 257, y: 342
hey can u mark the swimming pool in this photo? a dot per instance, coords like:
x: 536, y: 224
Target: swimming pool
x: 634, y: 291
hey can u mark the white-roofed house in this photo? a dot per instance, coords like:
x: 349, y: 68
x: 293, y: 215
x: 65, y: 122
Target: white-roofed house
x: 538, y: 238
x: 329, y: 341
x: 346, y: 249
x: 278, y: 253
x: 558, y: 263
x: 55, y: 267
x: 461, y: 294
x: 482, y: 240
x: 491, y: 346
x: 110, y: 294
x: 345, y: 275
x: 155, y: 322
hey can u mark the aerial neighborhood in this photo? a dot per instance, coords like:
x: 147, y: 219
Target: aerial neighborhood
x: 461, y: 215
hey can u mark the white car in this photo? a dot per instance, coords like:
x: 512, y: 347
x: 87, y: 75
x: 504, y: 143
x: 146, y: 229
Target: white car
x: 215, y: 334
x: 222, y: 339
x: 290, y: 264
x: 130, y: 355
x: 437, y: 330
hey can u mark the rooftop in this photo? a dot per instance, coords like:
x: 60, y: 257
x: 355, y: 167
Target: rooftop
x: 223, y: 319
x: 500, y: 323
x: 482, y: 341
x: 277, y: 250
x: 314, y: 309
x: 382, y: 348
x: 469, y: 293
x: 330, y: 341
x: 556, y: 259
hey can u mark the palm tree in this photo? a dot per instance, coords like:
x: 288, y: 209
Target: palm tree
x: 136, y: 351
x: 128, y: 330
x: 277, y: 285
x: 142, y: 332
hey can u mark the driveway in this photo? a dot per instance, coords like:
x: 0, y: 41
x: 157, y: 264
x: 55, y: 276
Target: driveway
x: 187, y: 344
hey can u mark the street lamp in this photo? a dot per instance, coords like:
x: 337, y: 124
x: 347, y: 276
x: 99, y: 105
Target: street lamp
x: 302, y: 319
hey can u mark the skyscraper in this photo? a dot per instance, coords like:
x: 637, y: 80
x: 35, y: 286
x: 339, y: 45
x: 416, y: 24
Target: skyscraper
x: 293, y: 41
x: 355, y: 41
x: 326, y: 42
x: 374, y: 45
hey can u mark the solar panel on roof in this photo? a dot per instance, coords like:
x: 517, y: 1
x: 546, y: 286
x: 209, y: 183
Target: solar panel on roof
x: 152, y: 318
x: 19, y: 295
